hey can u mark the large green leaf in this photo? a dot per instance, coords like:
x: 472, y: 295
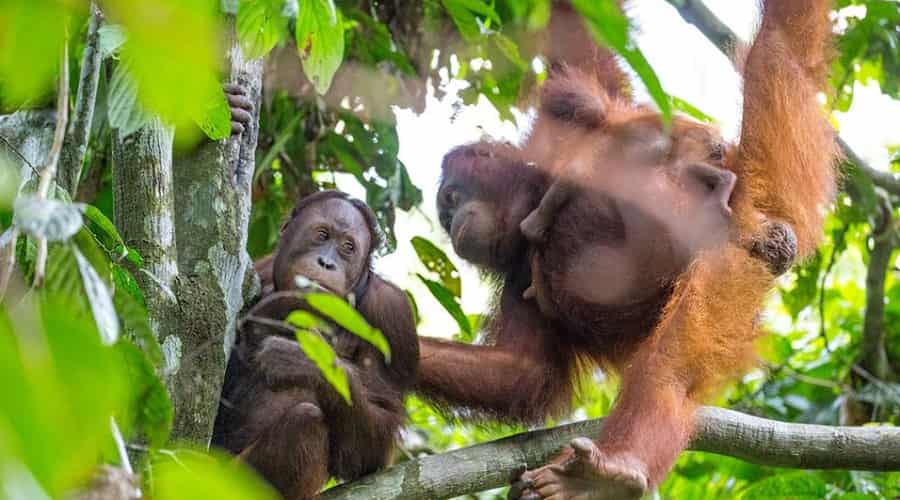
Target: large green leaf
x: 436, y: 261
x: 151, y: 413
x: 260, y: 26
x: 215, y: 117
x: 448, y: 301
x: 112, y: 37
x: 319, y: 351
x: 196, y: 475
x: 123, y: 110
x: 174, y: 54
x: 60, y: 388
x: 320, y: 40
x: 610, y: 27
x: 342, y: 313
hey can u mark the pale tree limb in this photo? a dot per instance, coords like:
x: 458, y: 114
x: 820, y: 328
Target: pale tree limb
x: 76, y: 142
x: 49, y: 171
x: 725, y: 432
x: 696, y: 13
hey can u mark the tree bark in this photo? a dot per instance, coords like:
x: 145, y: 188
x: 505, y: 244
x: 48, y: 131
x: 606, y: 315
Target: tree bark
x: 79, y: 131
x: 144, y: 213
x: 212, y: 199
x: 725, y: 432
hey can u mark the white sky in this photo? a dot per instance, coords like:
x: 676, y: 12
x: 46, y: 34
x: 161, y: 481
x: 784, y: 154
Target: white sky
x: 689, y: 67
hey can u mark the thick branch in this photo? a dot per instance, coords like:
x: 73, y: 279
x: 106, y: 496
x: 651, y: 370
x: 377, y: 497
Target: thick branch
x: 725, y: 432
x: 696, y: 13
x: 79, y: 131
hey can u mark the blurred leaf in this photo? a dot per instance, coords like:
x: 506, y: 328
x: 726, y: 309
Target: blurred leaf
x: 465, y: 15
x: 342, y: 313
x: 99, y: 299
x: 151, y: 408
x: 320, y: 40
x: 260, y: 26
x: 31, y: 40
x: 60, y: 387
x: 123, y: 111
x: 215, y: 118
x: 775, y: 349
x: 611, y: 28
x: 195, y: 475
x: 446, y: 299
x: 174, y: 55
x: 689, y: 109
x: 793, y: 485
x: 112, y: 37
x: 510, y: 50
x: 319, y: 351
x: 436, y: 261
x: 50, y: 219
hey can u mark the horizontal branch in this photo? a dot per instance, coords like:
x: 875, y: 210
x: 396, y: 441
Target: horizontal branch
x: 696, y: 13
x: 725, y: 432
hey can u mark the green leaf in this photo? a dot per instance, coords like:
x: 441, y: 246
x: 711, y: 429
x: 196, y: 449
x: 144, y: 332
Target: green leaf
x: 215, y: 118
x: 260, y: 26
x: 306, y: 321
x: 689, y: 109
x: 151, y: 414
x: 31, y: 36
x: 611, y: 28
x: 436, y: 261
x: 196, y: 474
x: 510, y: 50
x: 104, y: 230
x: 174, y: 55
x: 342, y: 313
x: 320, y: 352
x: 132, y: 311
x: 123, y: 110
x: 464, y: 14
x: 112, y: 37
x: 446, y: 299
x: 320, y: 40
x: 792, y: 485
x: 45, y: 218
x: 100, y: 300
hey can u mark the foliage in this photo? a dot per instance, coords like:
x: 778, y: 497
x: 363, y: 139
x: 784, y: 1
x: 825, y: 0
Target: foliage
x: 80, y: 353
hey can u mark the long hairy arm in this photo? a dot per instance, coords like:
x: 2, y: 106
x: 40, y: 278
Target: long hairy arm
x: 787, y: 153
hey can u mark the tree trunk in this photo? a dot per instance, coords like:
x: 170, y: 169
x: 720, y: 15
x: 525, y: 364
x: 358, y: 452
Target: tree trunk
x: 212, y: 200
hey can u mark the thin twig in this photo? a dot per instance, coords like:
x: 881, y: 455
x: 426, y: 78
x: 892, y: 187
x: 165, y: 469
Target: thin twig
x: 831, y: 261
x: 49, y: 171
x: 7, y: 262
x: 120, y: 446
x: 19, y: 154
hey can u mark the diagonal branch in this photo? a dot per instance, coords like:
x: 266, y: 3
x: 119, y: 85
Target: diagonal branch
x: 79, y: 132
x: 725, y: 432
x: 695, y: 12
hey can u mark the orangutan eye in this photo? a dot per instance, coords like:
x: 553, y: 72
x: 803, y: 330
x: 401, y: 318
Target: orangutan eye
x: 349, y: 247
x: 321, y: 234
x: 451, y: 198
x: 717, y: 153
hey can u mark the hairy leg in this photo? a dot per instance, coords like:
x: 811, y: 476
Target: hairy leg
x: 291, y: 447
